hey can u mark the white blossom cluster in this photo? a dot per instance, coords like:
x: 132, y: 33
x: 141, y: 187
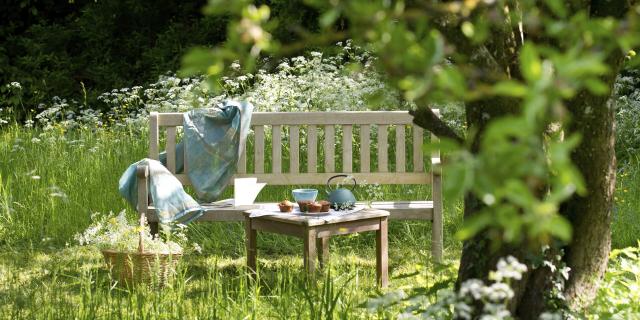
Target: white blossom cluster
x: 304, y: 83
x: 115, y: 232
x: 449, y: 304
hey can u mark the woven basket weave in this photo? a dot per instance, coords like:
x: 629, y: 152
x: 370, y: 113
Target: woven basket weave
x: 141, y: 267
x: 136, y: 267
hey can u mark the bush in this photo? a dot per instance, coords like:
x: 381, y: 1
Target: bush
x: 627, y: 100
x: 619, y: 291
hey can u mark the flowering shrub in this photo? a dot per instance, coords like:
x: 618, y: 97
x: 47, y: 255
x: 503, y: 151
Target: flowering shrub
x: 627, y: 101
x: 316, y: 82
x: 115, y: 232
x: 493, y: 297
x: 619, y: 291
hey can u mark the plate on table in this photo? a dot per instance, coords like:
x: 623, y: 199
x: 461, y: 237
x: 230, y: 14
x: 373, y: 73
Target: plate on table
x: 296, y: 210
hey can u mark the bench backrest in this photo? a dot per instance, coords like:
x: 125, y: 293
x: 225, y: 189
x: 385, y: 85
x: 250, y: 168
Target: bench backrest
x: 305, y: 130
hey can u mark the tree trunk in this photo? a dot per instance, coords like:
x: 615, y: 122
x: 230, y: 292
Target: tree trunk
x: 590, y: 216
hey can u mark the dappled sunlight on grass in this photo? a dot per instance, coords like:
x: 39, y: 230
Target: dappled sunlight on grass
x: 74, y: 282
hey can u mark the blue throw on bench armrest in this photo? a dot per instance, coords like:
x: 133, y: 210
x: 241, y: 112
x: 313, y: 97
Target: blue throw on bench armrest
x: 213, y: 139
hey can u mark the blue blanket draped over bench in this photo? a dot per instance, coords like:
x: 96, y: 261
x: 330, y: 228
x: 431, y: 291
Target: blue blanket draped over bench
x: 213, y: 141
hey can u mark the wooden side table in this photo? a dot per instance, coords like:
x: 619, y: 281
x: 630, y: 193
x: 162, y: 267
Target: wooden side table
x: 315, y: 233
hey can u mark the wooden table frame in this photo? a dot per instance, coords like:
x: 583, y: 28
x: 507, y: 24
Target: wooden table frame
x: 315, y: 234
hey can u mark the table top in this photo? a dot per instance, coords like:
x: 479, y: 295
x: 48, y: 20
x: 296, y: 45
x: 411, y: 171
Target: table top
x: 307, y: 220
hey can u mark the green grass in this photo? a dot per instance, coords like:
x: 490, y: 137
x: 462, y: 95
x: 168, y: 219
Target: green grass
x: 49, y: 188
x: 625, y: 230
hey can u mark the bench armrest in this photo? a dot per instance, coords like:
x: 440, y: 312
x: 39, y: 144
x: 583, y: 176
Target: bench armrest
x: 142, y: 173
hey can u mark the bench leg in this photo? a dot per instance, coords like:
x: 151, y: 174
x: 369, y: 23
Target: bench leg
x: 323, y: 248
x: 251, y: 243
x: 154, y: 228
x: 437, y: 226
x: 382, y: 254
x: 310, y: 253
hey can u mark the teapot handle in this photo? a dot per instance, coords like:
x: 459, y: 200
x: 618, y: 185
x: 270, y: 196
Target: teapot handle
x: 355, y: 184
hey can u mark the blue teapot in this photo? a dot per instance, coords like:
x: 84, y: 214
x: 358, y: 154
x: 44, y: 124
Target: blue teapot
x: 341, y: 198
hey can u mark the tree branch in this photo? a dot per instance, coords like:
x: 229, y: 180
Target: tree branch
x: 427, y: 119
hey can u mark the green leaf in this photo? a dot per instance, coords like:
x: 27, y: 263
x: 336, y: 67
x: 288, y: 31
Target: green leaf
x: 444, y: 145
x: 559, y: 227
x: 510, y: 88
x: 197, y: 61
x: 596, y: 86
x: 329, y: 17
x: 557, y: 7
x: 450, y: 78
x: 530, y: 64
x: 474, y: 224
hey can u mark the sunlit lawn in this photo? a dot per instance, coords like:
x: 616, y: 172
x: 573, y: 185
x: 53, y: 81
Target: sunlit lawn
x: 50, y: 184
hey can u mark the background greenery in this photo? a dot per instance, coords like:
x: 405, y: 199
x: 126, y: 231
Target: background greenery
x: 80, y: 49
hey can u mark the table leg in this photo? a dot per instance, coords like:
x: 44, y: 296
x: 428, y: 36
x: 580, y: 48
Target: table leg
x: 310, y: 253
x: 251, y: 236
x: 323, y: 248
x: 382, y: 254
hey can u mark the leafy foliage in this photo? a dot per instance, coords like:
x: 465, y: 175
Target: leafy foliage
x: 619, y: 291
x: 627, y: 100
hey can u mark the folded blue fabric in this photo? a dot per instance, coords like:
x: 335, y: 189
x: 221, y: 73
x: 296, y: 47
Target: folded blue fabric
x: 212, y: 144
x: 172, y: 203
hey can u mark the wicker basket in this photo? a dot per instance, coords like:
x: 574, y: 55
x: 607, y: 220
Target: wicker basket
x: 136, y: 267
x: 130, y: 268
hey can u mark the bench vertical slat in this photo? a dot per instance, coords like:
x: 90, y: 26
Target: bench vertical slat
x: 171, y: 149
x: 153, y: 136
x: 383, y: 148
x: 418, y: 162
x: 294, y: 146
x: 329, y: 148
x: 276, y: 149
x: 259, y: 149
x: 312, y: 149
x: 347, y: 148
x: 365, y: 151
x: 437, y: 228
x: 242, y: 162
x: 400, y: 149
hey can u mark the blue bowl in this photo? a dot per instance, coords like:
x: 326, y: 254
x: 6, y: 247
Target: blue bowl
x: 305, y: 194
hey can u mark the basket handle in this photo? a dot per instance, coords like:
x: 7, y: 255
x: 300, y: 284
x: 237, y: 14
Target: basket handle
x: 142, y: 224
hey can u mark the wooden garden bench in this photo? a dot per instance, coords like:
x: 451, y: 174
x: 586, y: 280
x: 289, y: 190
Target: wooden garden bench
x: 304, y: 130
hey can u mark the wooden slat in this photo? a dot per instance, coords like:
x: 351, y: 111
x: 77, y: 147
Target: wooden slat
x: 329, y: 148
x: 365, y: 149
x: 418, y: 162
x: 276, y: 149
x: 317, y: 118
x: 332, y: 118
x: 347, y: 148
x: 185, y: 163
x: 259, y: 149
x: 348, y: 227
x: 321, y: 178
x: 171, y: 149
x: 154, y: 133
x: 383, y: 152
x: 400, y: 149
x: 242, y: 162
x: 294, y: 149
x: 312, y: 148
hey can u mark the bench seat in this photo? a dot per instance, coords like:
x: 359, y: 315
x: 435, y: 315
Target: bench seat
x: 399, y: 210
